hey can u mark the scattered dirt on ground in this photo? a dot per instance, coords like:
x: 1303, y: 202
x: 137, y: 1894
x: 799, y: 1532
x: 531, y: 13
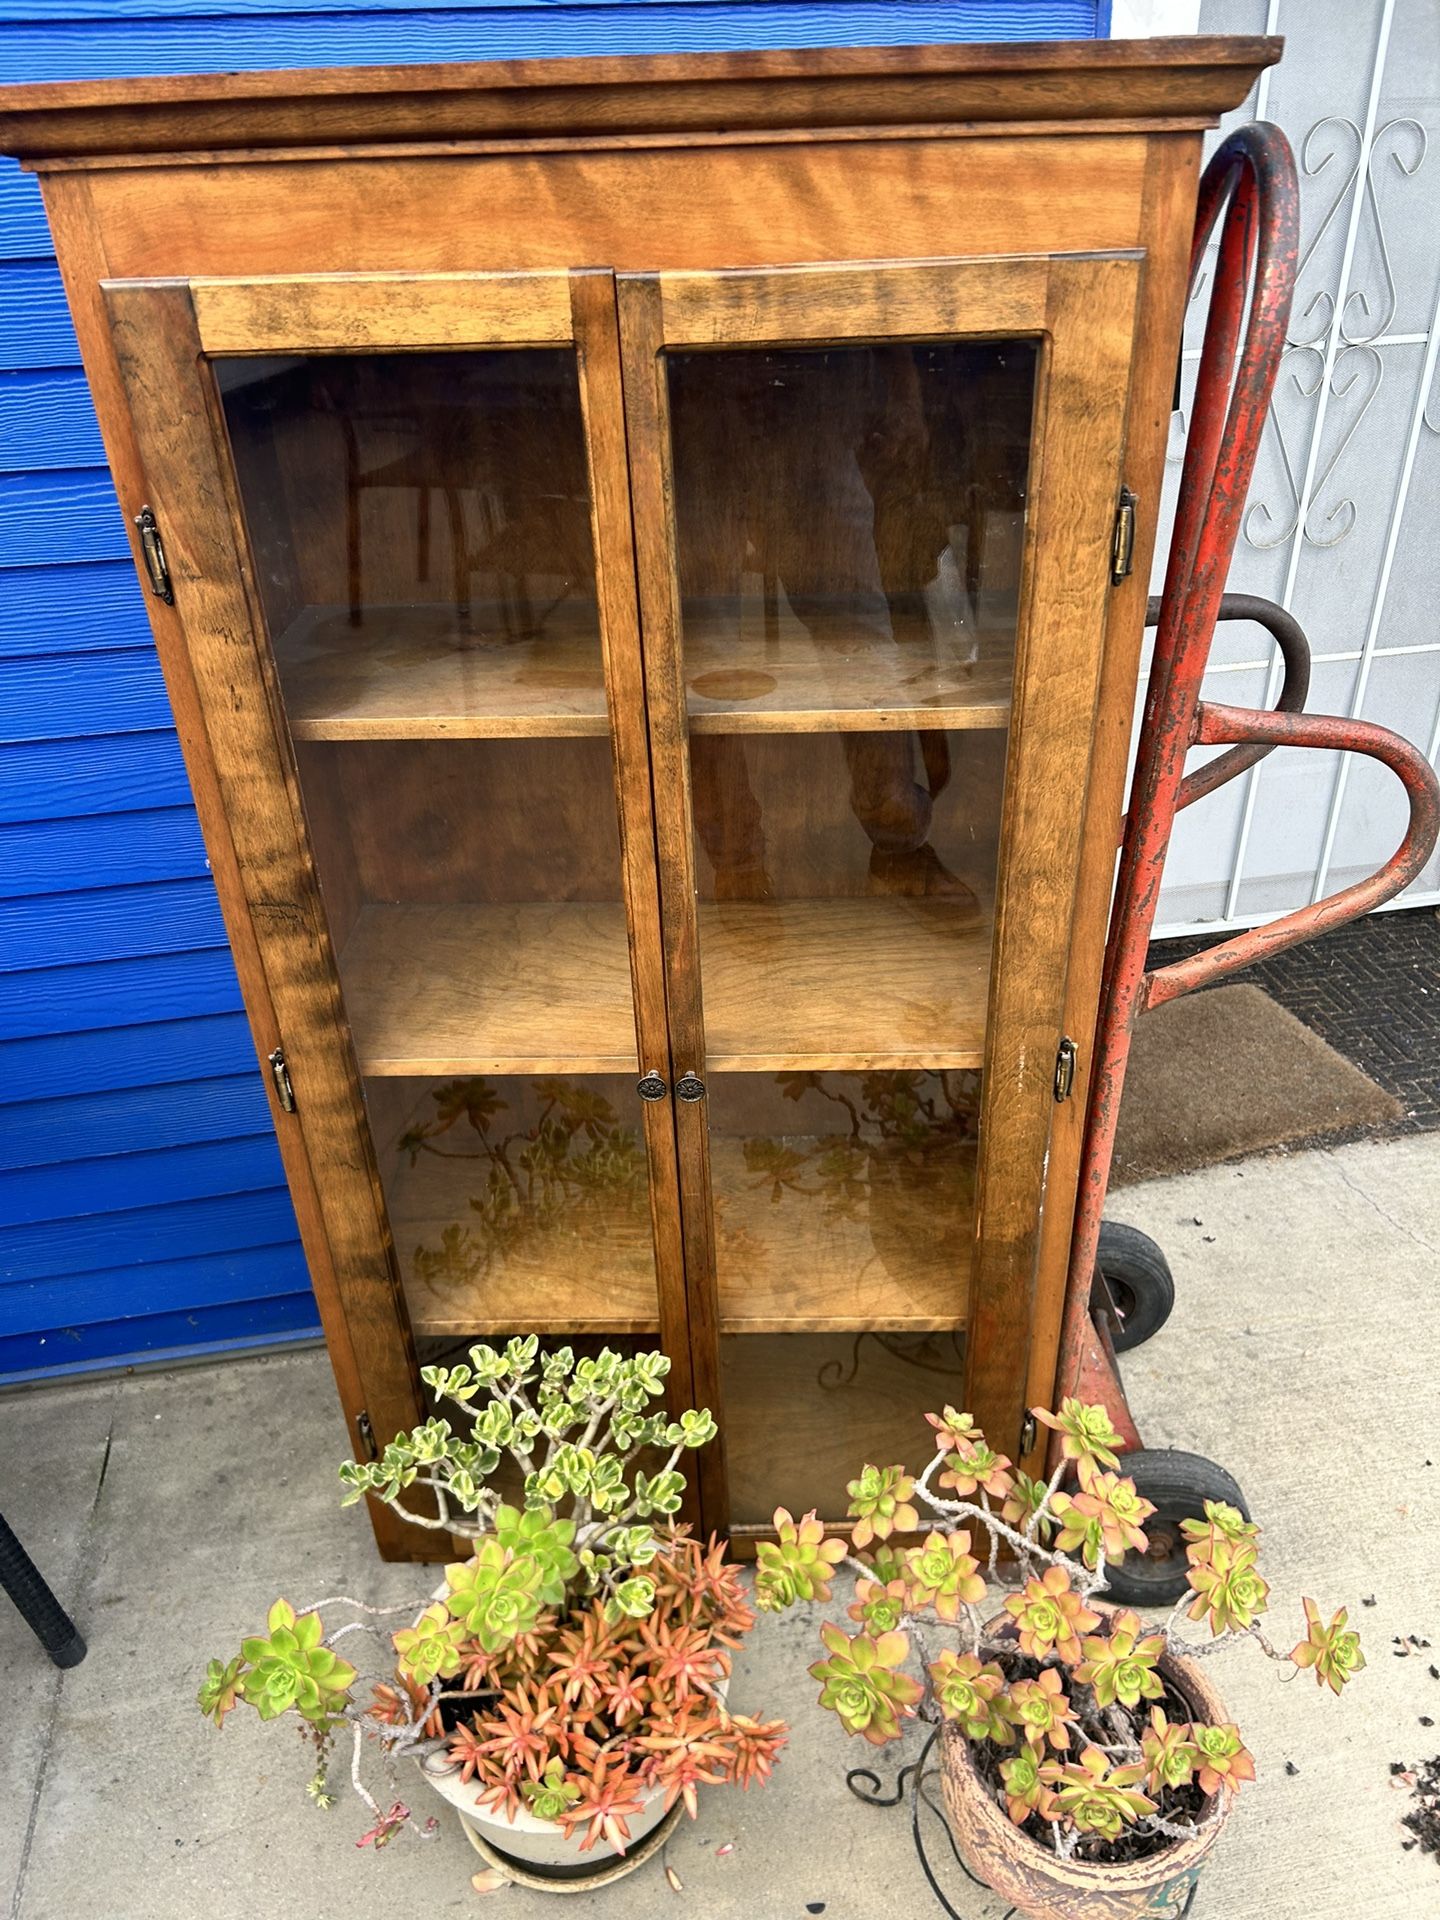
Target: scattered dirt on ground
x: 1423, y: 1820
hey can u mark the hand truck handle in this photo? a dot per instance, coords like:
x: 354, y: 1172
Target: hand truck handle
x: 1218, y: 726
x: 1289, y: 636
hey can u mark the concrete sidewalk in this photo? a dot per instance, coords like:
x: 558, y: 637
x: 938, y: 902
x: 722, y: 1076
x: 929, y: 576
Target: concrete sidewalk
x: 1303, y: 1354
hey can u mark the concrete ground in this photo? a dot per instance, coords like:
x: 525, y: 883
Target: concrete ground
x: 169, y: 1507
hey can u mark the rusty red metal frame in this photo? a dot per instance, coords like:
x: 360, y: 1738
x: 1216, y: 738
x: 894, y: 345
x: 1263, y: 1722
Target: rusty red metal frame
x: 1254, y: 172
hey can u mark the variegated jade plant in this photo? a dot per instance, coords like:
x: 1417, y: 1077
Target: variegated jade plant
x: 1065, y: 1707
x: 577, y: 1658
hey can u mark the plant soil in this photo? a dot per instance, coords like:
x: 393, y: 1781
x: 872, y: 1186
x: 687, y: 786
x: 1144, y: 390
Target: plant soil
x: 1182, y: 1807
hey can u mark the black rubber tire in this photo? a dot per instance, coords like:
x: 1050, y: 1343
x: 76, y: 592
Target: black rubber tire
x: 1140, y: 1282
x: 1177, y: 1485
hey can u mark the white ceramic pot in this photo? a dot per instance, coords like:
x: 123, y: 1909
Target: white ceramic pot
x: 539, y: 1843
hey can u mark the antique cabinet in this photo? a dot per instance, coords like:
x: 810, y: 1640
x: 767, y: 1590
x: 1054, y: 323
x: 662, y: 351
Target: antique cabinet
x: 649, y: 560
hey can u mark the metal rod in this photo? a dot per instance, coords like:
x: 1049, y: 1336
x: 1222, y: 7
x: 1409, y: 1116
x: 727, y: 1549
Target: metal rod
x: 42, y: 1612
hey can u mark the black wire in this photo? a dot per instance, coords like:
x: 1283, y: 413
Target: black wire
x: 873, y: 1797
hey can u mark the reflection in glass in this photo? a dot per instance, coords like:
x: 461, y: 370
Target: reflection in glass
x: 422, y: 527
x: 844, y: 1199
x: 844, y: 1206
x: 504, y: 1194
x: 421, y: 531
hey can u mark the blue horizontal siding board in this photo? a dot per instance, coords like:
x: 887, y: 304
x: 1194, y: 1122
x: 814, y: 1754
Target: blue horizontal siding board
x: 144, y: 1236
x: 238, y: 1326
x: 63, y: 779
x: 987, y: 19
x: 97, y: 1061
x: 113, y: 46
x: 254, y: 1273
x: 47, y: 420
x: 24, y: 230
x: 72, y: 695
x: 33, y: 1194
x: 58, y: 517
x: 109, y: 923
x: 94, y: 1126
x: 117, y: 849
x: 95, y: 606
x: 35, y: 325
x: 95, y: 994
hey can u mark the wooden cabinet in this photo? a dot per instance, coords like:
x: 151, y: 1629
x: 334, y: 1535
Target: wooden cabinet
x: 639, y: 560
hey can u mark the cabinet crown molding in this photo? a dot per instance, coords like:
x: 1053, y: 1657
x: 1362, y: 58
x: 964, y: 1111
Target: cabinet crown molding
x: 1130, y: 84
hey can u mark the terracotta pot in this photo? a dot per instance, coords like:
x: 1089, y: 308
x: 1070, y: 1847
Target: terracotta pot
x: 1042, y: 1887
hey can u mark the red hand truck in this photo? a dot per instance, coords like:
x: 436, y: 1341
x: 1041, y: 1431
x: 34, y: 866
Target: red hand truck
x: 1118, y: 1289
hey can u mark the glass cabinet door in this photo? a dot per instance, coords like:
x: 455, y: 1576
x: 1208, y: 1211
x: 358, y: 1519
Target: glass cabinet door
x: 430, y: 493
x: 861, y: 506
x: 421, y: 529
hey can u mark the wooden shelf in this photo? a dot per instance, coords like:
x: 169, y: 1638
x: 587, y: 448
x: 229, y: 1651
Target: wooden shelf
x: 898, y: 1257
x: 490, y: 989
x: 852, y: 984
x: 835, y: 674
x: 417, y: 673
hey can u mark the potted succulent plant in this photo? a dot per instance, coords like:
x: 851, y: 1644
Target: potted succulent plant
x: 1088, y: 1765
x: 565, y: 1689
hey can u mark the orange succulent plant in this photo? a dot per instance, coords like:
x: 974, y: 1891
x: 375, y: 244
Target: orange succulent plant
x: 577, y: 1665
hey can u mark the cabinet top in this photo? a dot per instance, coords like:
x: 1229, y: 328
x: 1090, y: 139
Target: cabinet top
x: 1039, y: 86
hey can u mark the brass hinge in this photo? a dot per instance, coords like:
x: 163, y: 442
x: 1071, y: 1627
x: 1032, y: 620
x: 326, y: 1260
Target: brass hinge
x: 367, y: 1435
x: 1065, y: 1068
x: 1122, y: 545
x: 1029, y: 1433
x: 152, y: 547
x: 284, y: 1091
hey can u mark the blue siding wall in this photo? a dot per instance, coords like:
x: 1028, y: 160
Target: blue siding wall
x: 142, y: 1207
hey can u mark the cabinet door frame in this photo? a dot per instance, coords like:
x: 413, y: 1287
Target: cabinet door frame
x: 166, y: 334
x: 1081, y: 311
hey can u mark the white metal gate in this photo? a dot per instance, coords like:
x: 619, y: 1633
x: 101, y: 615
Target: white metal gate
x: 1343, y: 522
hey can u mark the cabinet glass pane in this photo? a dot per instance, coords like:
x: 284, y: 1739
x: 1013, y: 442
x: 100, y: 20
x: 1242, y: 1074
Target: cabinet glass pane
x: 850, y: 526
x: 844, y: 1206
x: 421, y: 531
x: 503, y: 1192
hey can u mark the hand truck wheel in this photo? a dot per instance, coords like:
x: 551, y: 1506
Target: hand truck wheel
x: 1177, y: 1485
x: 1135, y: 1275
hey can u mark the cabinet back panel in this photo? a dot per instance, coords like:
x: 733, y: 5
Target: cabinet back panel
x: 495, y: 820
